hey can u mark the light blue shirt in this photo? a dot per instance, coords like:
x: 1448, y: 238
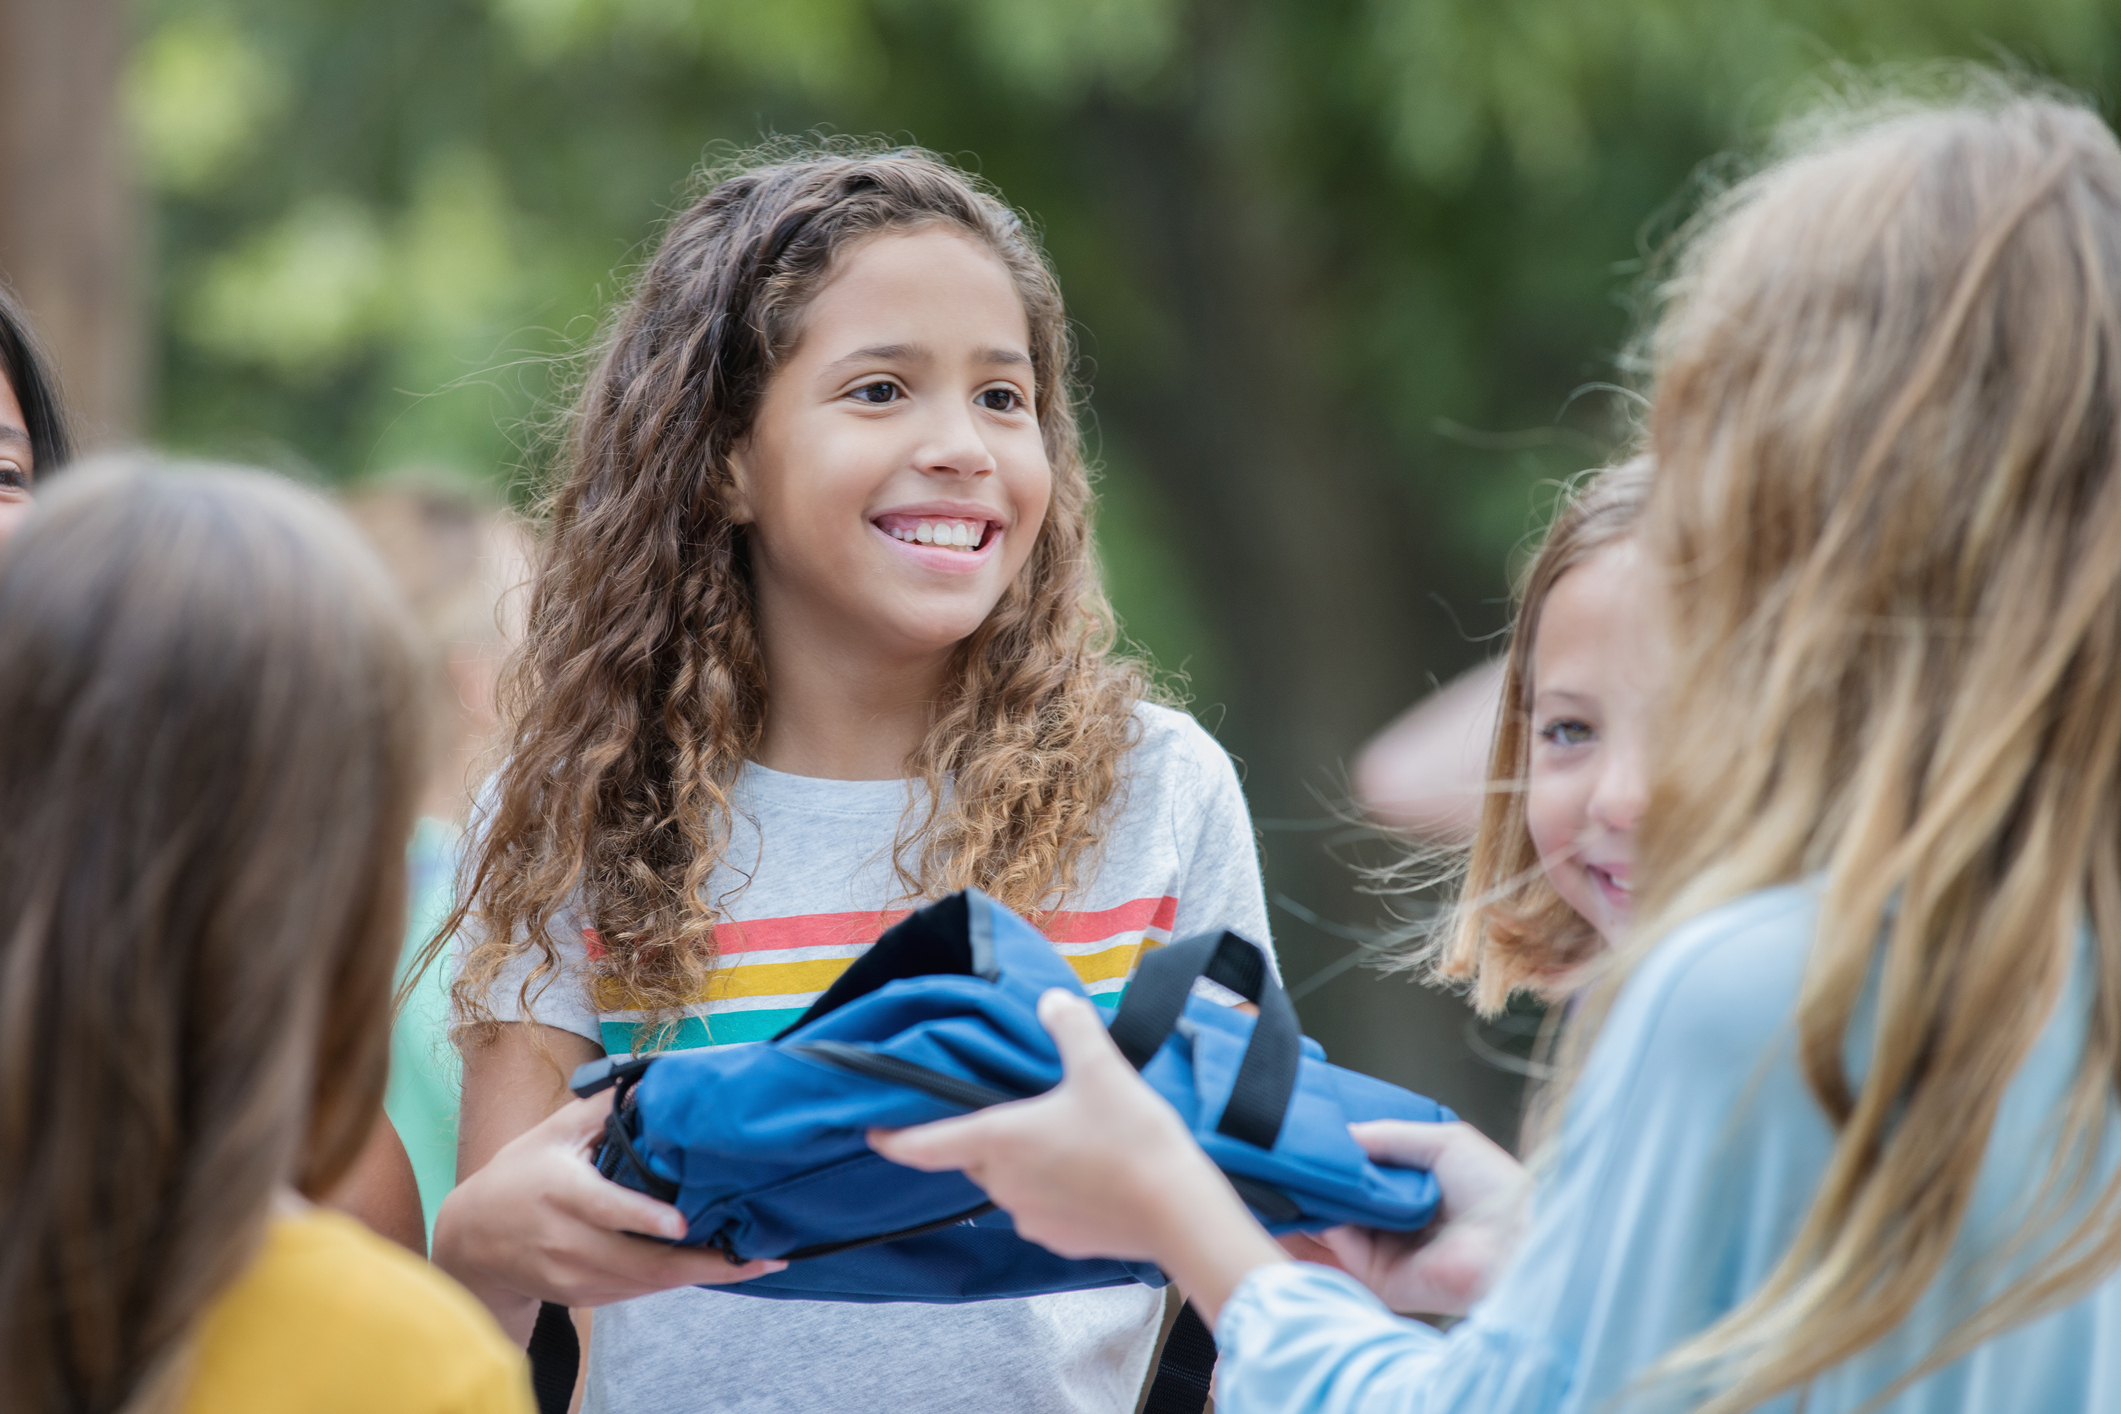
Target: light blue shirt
x: 1688, y: 1157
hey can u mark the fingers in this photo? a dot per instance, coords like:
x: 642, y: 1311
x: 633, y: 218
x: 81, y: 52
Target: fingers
x: 933, y: 1148
x: 1077, y: 1030
x: 1404, y: 1143
x: 578, y: 1122
x: 601, y: 1203
x: 707, y: 1267
x: 1306, y: 1247
x: 604, y: 1267
x: 1350, y: 1248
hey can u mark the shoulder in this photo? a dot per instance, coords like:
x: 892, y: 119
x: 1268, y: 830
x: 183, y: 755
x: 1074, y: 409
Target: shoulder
x: 1170, y: 742
x: 1720, y: 991
x: 328, y: 1311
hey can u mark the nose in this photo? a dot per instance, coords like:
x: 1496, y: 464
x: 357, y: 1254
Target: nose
x: 954, y: 446
x: 1622, y: 790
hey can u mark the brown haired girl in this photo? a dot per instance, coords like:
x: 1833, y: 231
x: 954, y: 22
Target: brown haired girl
x: 816, y: 633
x: 1848, y: 1136
x: 35, y: 439
x: 213, y: 741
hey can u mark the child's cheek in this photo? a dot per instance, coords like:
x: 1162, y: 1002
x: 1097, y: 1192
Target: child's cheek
x: 1554, y: 811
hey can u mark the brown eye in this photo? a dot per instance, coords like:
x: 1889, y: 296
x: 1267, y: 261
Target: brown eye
x: 876, y: 394
x: 13, y: 478
x: 1000, y: 400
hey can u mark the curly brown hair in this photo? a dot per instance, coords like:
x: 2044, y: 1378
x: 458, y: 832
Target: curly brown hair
x: 640, y: 689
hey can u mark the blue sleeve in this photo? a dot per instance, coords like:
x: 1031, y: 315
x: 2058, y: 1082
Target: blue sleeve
x: 1689, y: 1152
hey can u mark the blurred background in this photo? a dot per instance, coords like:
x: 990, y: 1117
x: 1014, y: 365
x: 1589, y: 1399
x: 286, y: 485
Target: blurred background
x: 1353, y: 281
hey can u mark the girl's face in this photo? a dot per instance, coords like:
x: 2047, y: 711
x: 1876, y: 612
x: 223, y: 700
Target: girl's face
x: 896, y: 477
x: 1597, y: 670
x: 18, y: 463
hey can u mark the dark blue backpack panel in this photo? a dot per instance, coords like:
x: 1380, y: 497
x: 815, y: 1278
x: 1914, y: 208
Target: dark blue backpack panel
x: 763, y: 1146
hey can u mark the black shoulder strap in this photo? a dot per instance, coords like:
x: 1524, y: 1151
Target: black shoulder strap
x: 1187, y: 1369
x: 555, y: 1357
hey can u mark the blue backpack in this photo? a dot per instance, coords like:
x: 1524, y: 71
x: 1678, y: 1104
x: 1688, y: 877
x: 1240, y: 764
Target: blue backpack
x: 762, y: 1146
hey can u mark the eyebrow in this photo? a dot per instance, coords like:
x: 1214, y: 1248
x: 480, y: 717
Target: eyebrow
x: 917, y: 353
x: 11, y: 433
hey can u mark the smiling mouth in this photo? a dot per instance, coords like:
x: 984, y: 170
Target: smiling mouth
x: 1610, y: 886
x: 941, y: 532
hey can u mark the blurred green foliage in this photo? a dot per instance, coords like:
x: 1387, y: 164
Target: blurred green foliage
x: 383, y: 226
x: 1351, y: 277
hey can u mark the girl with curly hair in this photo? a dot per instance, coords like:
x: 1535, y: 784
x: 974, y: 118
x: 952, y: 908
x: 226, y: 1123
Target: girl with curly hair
x: 815, y: 634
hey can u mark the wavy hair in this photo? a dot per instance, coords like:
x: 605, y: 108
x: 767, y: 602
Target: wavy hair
x: 1887, y: 424
x: 1511, y: 931
x: 214, y: 730
x: 640, y: 689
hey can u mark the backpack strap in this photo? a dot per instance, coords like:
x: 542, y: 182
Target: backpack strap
x: 555, y: 1358
x: 1187, y: 1369
x: 1156, y: 997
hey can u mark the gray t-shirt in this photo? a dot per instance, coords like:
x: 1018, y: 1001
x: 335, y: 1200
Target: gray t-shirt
x: 806, y: 884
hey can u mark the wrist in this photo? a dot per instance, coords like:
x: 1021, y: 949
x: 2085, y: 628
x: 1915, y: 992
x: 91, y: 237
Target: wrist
x: 1207, y: 1239
x: 515, y: 1311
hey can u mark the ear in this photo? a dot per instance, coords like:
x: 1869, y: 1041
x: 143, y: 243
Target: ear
x: 738, y: 497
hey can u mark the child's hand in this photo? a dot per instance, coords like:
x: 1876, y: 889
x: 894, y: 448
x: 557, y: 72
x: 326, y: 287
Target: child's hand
x: 1445, y: 1268
x: 1100, y: 1166
x: 1083, y: 1168
x: 539, y: 1223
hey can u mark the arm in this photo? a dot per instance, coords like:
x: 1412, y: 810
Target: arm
x: 379, y: 1191
x: 530, y: 1220
x: 1426, y: 772
x: 1689, y: 1151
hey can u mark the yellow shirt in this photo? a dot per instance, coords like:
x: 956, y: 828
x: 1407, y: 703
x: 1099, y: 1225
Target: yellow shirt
x: 332, y: 1318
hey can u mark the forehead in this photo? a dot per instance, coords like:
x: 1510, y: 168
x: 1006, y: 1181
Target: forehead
x: 932, y: 284
x: 1595, y: 620
x: 10, y: 407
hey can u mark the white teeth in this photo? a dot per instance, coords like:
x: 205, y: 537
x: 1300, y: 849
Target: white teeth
x: 944, y: 534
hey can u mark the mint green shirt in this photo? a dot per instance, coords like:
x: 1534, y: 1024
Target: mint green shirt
x: 426, y: 1077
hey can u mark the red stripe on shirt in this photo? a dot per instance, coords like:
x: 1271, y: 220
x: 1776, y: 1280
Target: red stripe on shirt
x: 819, y: 930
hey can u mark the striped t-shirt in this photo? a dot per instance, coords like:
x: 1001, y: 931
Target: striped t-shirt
x: 805, y: 886
x: 769, y: 970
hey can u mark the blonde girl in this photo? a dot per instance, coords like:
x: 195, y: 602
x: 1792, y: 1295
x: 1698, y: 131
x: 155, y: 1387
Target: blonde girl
x: 815, y: 633
x: 213, y: 744
x: 1550, y: 879
x: 1842, y: 1128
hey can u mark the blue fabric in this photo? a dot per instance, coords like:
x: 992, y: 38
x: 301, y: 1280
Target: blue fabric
x: 1688, y: 1156
x: 765, y: 1147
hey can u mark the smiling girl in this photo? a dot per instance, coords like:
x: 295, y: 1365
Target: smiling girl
x: 816, y: 633
x: 1550, y: 882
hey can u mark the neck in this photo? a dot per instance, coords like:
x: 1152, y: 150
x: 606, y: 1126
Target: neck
x: 844, y: 711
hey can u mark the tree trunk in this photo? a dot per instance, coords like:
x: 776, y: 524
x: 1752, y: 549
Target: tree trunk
x: 69, y: 223
x: 1290, y: 516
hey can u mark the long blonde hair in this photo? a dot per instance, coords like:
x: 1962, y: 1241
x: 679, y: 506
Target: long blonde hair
x: 207, y: 778
x: 1511, y: 930
x: 641, y: 690
x: 1887, y: 424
